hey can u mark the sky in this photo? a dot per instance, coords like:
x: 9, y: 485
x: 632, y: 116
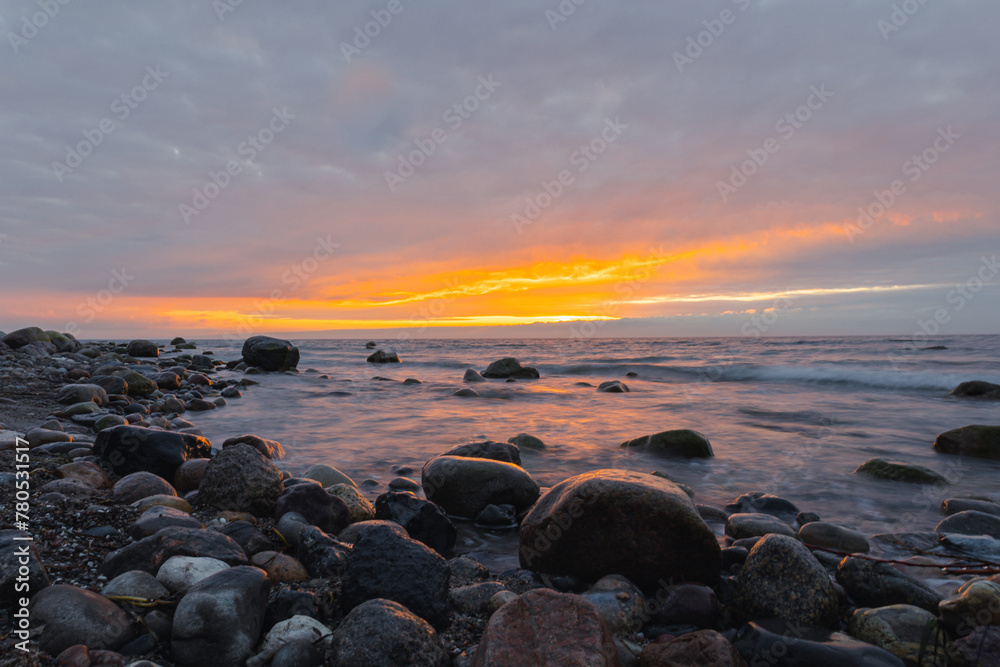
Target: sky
x: 458, y: 168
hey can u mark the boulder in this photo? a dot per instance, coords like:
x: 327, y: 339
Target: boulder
x: 758, y: 502
x: 874, y: 584
x: 970, y: 522
x: 384, y: 564
x: 683, y: 443
x: 909, y: 633
x: 613, y: 387
x: 832, y: 536
x: 111, y: 384
x: 496, y: 451
x: 179, y: 573
x: 543, y: 627
x: 423, y: 520
x: 782, y: 578
x: 142, y: 348
x: 322, y: 555
x: 977, y: 389
x: 465, y: 486
x: 605, y: 522
x: 87, y: 472
x: 977, y: 602
x: 66, y: 615
x: 899, y: 472
x: 975, y: 440
x: 218, y: 622
x: 955, y: 505
x: 688, y: 604
x: 138, y: 485
x: 472, y: 375
x: 383, y: 357
x: 138, y: 384
x: 694, y: 649
x: 14, y: 555
x: 383, y: 632
x: 792, y: 644
x: 132, y: 449
x: 619, y: 602
x: 526, y: 441
x: 740, y: 526
x: 359, y: 507
x: 71, y: 394
x: 155, y: 519
x: 272, y: 449
x: 149, y: 553
x: 326, y: 475
x: 509, y: 367
x: 136, y: 584
x: 270, y: 354
x: 37, y: 437
x: 280, y: 567
x: 21, y: 337
x: 242, y: 479
x: 315, y: 505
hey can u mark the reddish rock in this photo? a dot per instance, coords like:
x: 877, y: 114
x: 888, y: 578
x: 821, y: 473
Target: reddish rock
x: 543, y: 627
x: 139, y: 485
x: 77, y: 655
x: 189, y: 474
x: 695, y: 649
x: 87, y: 472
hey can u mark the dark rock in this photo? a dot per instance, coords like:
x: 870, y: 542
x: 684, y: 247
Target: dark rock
x: 149, y: 553
x: 247, y: 535
x: 138, y: 485
x: 272, y: 449
x: 782, y: 578
x: 792, y: 644
x: 383, y: 564
x: 178, y: 341
x: 270, y: 354
x: 509, y: 367
x: 683, y: 443
x: 370, y: 345
x: 383, y: 357
x: 72, y: 394
x: 189, y: 475
x: 112, y: 384
x: 981, y: 648
x: 167, y: 381
x: 472, y: 375
x: 832, y: 536
x: 474, y: 599
x: 733, y: 556
x: 136, y: 583
x: 910, y: 633
x: 199, y: 405
x: 67, y: 615
x: 874, y: 584
x: 502, y: 516
x: 539, y: 626
x: 382, y: 632
x: 132, y: 449
x: 231, y: 392
x: 525, y: 441
x: 802, y: 518
x: 352, y: 533
x: 321, y: 555
x: 955, y: 505
x: 497, y: 451
x: 13, y: 554
x: 899, y: 472
x: 689, y: 604
x: 142, y: 348
x: 403, y: 484
x: 219, y: 619
x: 159, y: 517
x: 21, y: 337
x: 977, y: 389
x: 619, y: 522
x: 613, y: 387
x: 138, y: 384
x: 242, y: 479
x: 423, y: 520
x: 316, y: 506
x: 977, y: 602
x: 287, y: 603
x: 740, y: 526
x: 764, y: 503
x: 469, y: 393
x: 298, y: 654
x: 37, y: 349
x: 977, y: 441
x: 971, y: 522
x: 702, y: 647
x: 465, y: 486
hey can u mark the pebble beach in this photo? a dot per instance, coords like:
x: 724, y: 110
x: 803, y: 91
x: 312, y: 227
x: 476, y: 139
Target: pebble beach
x: 147, y: 539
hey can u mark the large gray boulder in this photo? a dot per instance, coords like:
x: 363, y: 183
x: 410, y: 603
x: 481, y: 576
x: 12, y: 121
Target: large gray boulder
x: 72, y: 394
x: 464, y: 486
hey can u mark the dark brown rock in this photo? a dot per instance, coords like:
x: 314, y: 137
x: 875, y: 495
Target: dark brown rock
x: 149, y: 553
x: 695, y: 649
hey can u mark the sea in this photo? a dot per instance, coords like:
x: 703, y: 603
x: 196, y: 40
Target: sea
x: 788, y: 416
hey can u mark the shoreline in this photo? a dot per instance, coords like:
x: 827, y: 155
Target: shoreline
x: 627, y: 620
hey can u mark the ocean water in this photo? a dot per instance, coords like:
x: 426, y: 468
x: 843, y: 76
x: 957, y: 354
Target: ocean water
x: 789, y: 416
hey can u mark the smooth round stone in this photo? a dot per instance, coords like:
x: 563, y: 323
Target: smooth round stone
x: 832, y: 536
x: 906, y: 631
x: 526, y: 441
x: 43, y: 436
x: 179, y: 573
x: 466, y: 393
x: 474, y: 599
x: 874, y: 584
x: 69, y: 487
x: 84, y: 408
x: 361, y: 508
x: 189, y: 475
x: 280, y: 567
x: 955, y: 505
x: 619, y: 601
x: 899, y: 471
x: 67, y: 615
x: 758, y: 502
x: 500, y: 599
x: 403, y: 484
x: 165, y: 501
x: 741, y: 526
x: 971, y: 522
x: 139, y: 485
x: 613, y: 387
x: 327, y: 475
x: 977, y: 599
x: 135, y: 584
x: 159, y: 517
x: 682, y: 443
x: 295, y: 630
x: 87, y: 472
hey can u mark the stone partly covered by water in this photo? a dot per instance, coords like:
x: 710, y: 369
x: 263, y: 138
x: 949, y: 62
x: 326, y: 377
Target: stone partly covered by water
x: 270, y: 354
x: 975, y: 440
x: 131, y: 449
x: 509, y: 367
x: 898, y: 471
x: 683, y: 443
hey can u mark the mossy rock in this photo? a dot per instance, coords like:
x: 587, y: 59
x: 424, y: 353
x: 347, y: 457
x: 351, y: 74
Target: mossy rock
x: 898, y: 471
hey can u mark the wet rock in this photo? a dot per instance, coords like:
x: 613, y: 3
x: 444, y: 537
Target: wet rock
x: 78, y: 393
x: 740, y: 526
x: 955, y: 505
x: 240, y: 478
x: 971, y: 522
x: 898, y: 471
x: 782, y: 578
x: 322, y: 555
x: 157, y: 518
x: 874, y: 584
x: 495, y: 451
x: 218, y: 621
x: 199, y: 405
x: 472, y: 375
x: 981, y: 648
x: 149, y: 553
x: 382, y: 632
x: 288, y: 603
x: 315, y: 505
x: 189, y: 474
x: 167, y: 381
x: 465, y: 571
x: 910, y: 633
x: 793, y: 645
x: 763, y: 503
x: 975, y: 440
x: 138, y: 384
x: 383, y: 357
x: 272, y: 449
x: 247, y: 535
x: 613, y: 387
x: 327, y: 475
x: 133, y: 449
x: 383, y: 564
x: 111, y: 384
x: 703, y: 647
x: 977, y: 602
x: 139, y: 485
x: 501, y: 516
x: 404, y: 484
x: 179, y: 573
x: 683, y: 443
x: 280, y: 567
x: 977, y: 389
x: 526, y: 441
x: 509, y: 367
x: 13, y: 554
x: 142, y: 348
x: 832, y: 536
x: 360, y: 508
x: 136, y: 584
x: 687, y: 604
x: 464, y: 486
x: 270, y: 354
x: 423, y: 520
x: 370, y: 345
x: 468, y: 393
x: 542, y: 627
x: 474, y: 599
x: 66, y: 615
x: 619, y: 522
x: 620, y: 603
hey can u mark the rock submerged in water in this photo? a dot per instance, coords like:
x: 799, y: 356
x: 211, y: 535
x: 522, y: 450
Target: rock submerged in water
x: 758, y: 502
x: 270, y: 354
x: 509, y: 367
x: 977, y: 389
x: 383, y: 357
x: 488, y: 449
x: 898, y: 471
x: 526, y: 441
x: 605, y: 522
x: 135, y: 449
x: 613, y: 387
x: 464, y: 486
x: 472, y: 375
x: 683, y: 443
x: 974, y: 440
x: 971, y: 522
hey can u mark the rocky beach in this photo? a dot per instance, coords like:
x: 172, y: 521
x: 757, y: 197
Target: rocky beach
x: 131, y: 538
